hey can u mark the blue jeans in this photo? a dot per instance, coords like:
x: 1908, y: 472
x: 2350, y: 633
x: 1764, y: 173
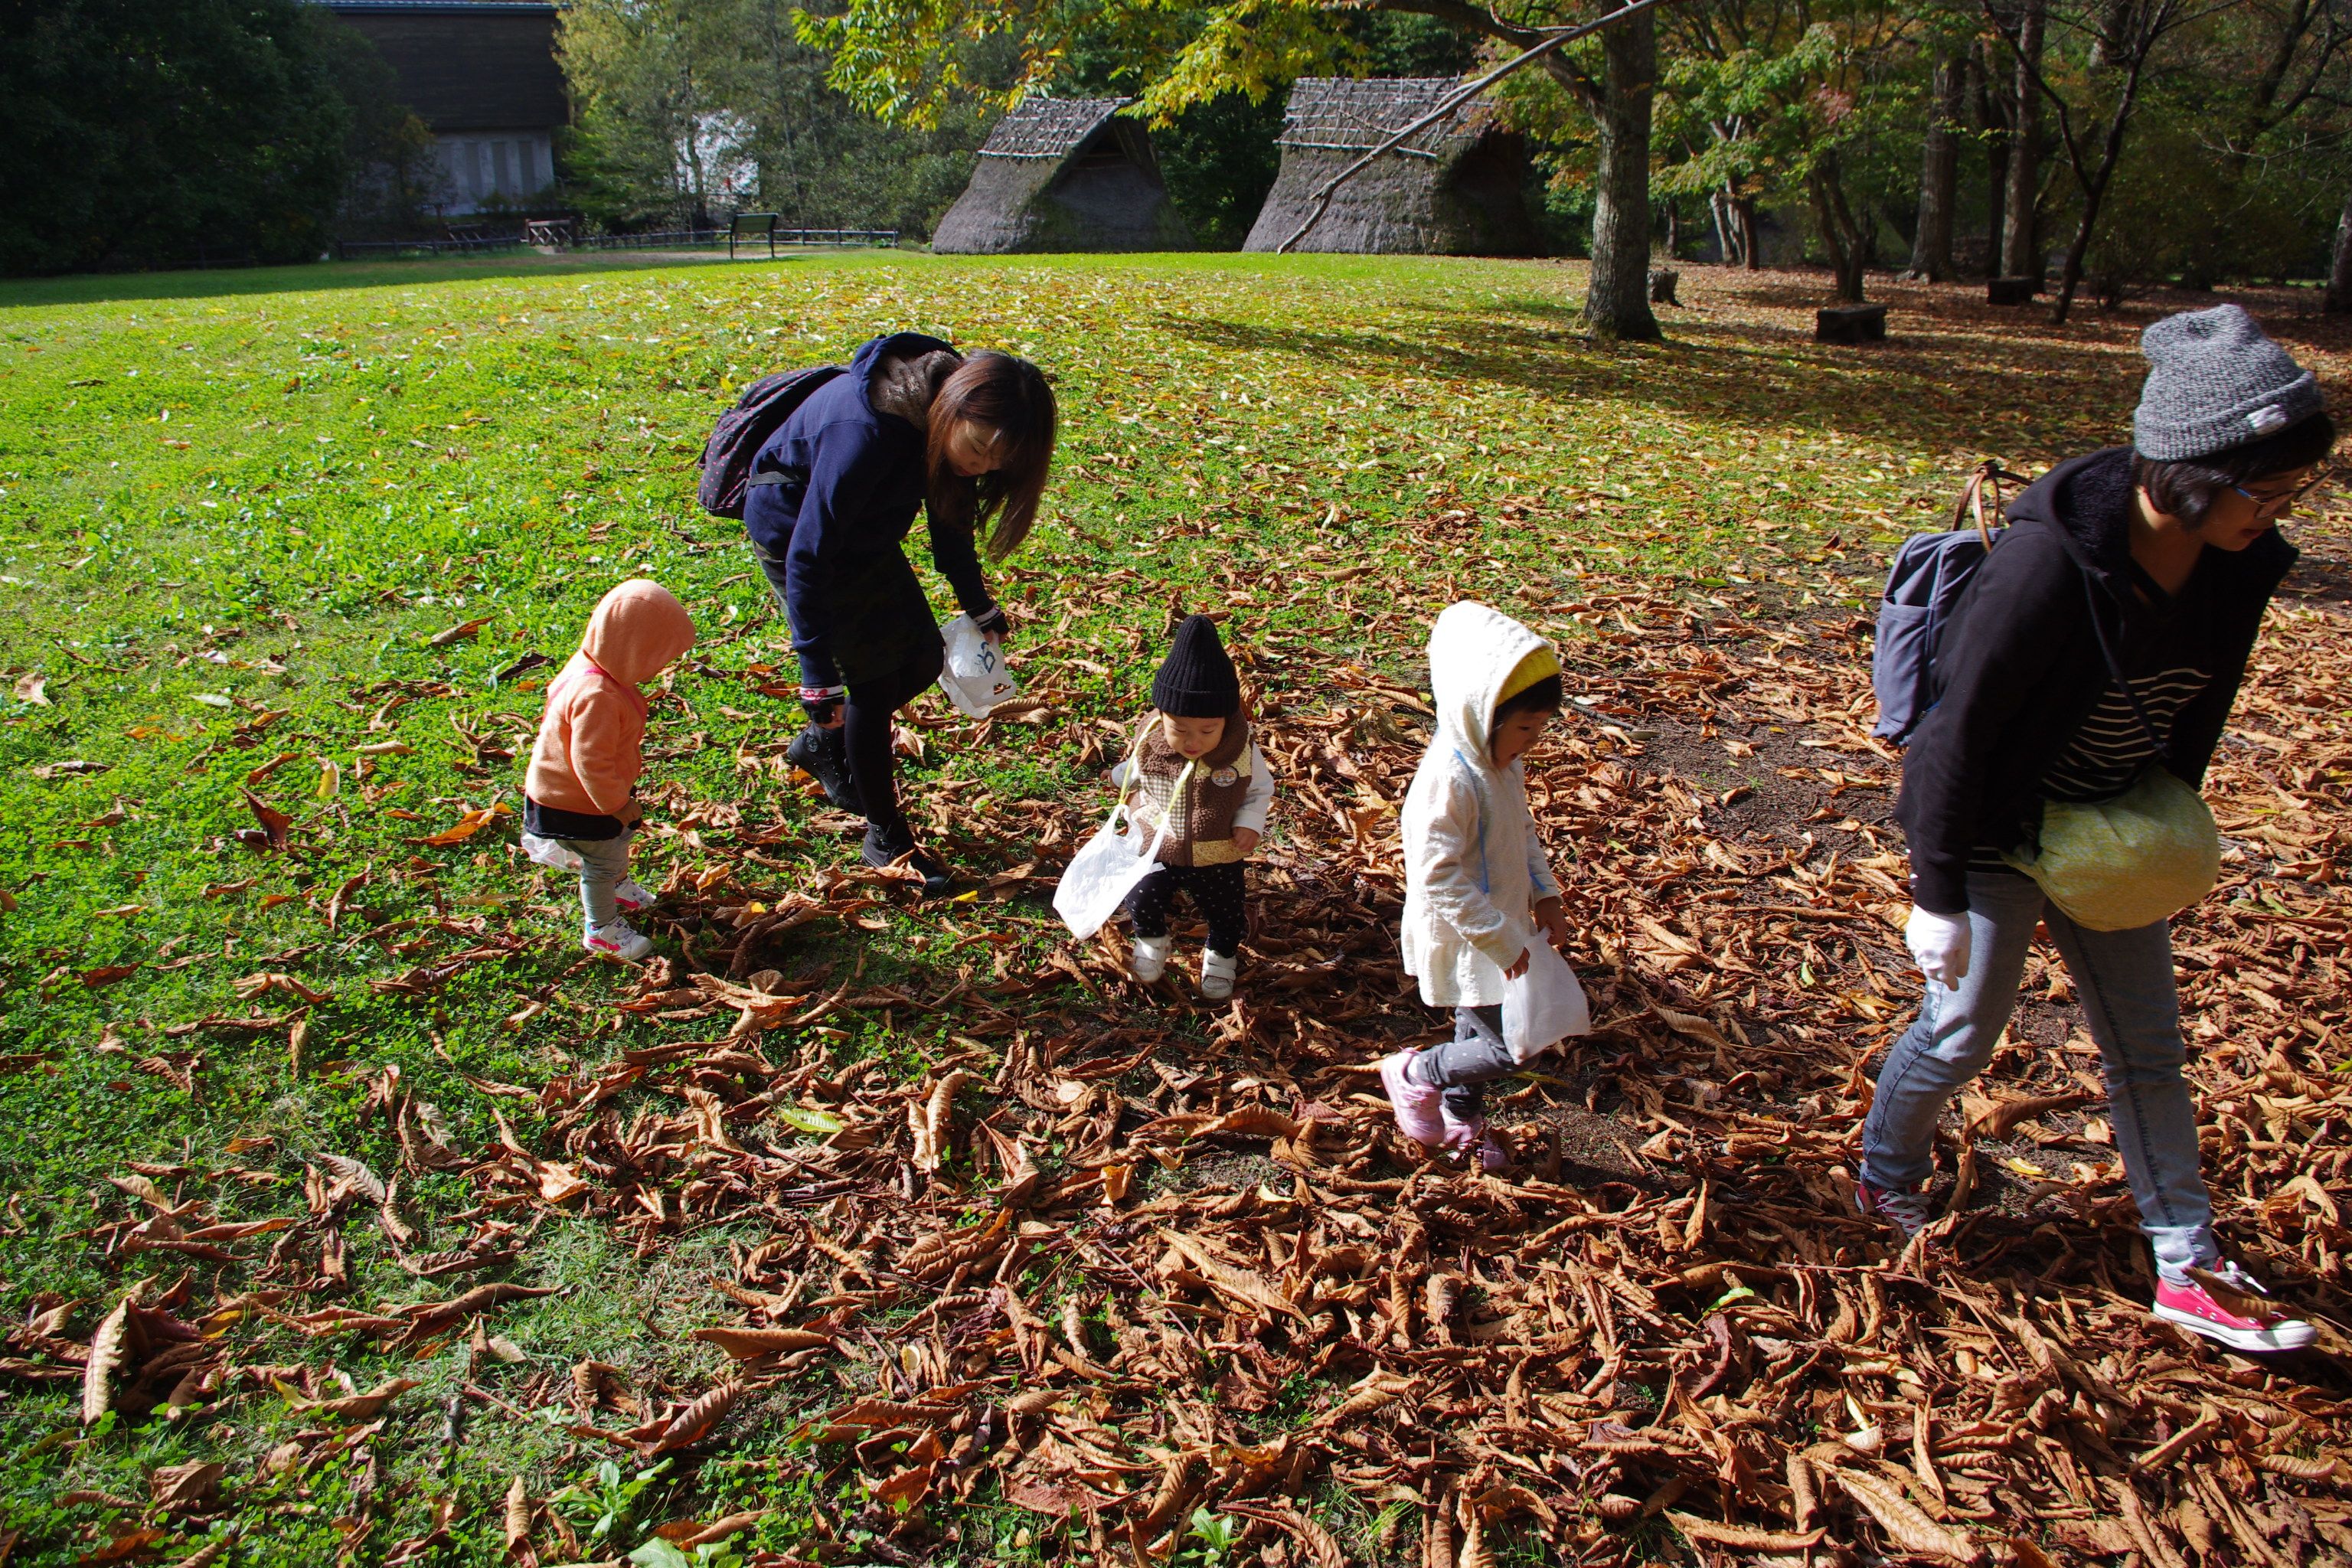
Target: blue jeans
x: 2133, y: 1007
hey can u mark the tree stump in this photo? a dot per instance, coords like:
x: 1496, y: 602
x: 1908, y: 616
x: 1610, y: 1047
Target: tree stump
x: 1850, y: 324
x: 2011, y: 291
x: 1661, y: 286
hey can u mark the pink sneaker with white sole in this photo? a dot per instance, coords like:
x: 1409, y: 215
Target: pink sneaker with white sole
x: 1417, y: 1106
x: 2194, y: 1308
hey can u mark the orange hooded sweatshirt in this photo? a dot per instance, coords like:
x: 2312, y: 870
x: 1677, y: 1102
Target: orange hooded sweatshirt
x: 590, y: 742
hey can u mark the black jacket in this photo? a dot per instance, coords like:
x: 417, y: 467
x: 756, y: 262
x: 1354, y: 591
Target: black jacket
x: 2020, y: 668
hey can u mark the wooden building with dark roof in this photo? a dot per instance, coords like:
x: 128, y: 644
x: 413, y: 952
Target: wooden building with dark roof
x: 1456, y: 188
x: 1064, y: 173
x: 482, y: 74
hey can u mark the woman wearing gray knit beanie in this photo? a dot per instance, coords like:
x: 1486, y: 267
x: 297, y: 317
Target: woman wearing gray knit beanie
x: 2103, y: 641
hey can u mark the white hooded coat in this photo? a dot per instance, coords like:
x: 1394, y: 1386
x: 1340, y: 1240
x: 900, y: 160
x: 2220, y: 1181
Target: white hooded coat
x: 1474, y: 866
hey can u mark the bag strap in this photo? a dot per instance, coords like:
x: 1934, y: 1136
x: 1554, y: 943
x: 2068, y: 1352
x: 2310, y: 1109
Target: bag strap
x: 2115, y: 669
x: 1971, y: 507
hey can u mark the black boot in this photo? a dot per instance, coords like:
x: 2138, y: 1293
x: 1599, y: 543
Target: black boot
x: 883, y: 849
x: 824, y: 757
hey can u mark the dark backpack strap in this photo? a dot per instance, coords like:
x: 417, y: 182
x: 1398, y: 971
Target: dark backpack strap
x: 766, y: 477
x: 2115, y: 669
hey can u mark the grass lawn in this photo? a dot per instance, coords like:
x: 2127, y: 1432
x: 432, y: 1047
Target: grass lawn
x: 275, y: 551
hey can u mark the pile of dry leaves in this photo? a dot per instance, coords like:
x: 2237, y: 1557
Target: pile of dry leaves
x: 1115, y: 1271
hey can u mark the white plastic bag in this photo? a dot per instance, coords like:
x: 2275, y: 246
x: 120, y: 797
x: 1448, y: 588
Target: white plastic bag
x: 551, y: 853
x: 974, y: 677
x: 1544, y: 1005
x: 1106, y: 870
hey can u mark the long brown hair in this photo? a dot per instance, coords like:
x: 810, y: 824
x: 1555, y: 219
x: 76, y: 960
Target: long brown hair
x: 1008, y: 396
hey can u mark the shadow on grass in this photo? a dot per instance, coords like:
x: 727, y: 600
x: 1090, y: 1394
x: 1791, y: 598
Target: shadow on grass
x: 223, y: 282
x: 1932, y: 390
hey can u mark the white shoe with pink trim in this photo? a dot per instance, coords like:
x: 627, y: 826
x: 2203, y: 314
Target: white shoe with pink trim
x: 631, y: 897
x: 2197, y: 1309
x: 617, y: 938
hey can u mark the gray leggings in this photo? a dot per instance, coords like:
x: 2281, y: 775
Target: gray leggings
x: 1464, y: 1066
x: 603, y: 866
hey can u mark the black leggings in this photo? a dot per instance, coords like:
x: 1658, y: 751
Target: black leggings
x: 866, y: 733
x: 1217, y: 892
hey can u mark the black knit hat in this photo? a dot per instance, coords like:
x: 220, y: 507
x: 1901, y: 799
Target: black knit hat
x: 1197, y: 680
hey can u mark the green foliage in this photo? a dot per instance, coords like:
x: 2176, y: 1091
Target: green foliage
x: 605, y: 1506
x: 144, y: 134
x: 693, y: 108
x: 1211, y: 1540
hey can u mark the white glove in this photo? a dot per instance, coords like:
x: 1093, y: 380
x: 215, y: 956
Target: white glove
x: 1940, y: 943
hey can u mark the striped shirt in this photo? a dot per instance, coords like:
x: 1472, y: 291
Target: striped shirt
x: 2112, y: 749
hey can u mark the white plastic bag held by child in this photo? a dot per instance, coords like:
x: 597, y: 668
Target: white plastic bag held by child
x: 974, y: 679
x: 1102, y: 874
x: 1543, y: 1006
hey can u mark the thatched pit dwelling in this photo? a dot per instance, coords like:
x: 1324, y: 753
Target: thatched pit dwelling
x: 1458, y: 188
x: 1064, y: 173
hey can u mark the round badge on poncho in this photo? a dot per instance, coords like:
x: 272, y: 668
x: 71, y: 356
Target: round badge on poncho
x: 1223, y: 778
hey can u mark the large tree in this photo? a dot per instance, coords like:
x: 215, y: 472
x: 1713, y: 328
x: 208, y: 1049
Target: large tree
x: 142, y: 133
x: 896, y: 58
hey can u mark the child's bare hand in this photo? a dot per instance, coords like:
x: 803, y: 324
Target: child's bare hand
x: 1520, y: 968
x: 1553, y: 918
x: 1245, y: 839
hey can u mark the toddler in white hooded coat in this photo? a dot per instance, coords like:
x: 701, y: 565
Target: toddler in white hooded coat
x: 1478, y: 892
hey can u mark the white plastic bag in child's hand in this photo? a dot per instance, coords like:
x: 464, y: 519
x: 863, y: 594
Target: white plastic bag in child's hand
x: 1544, y: 1005
x: 1102, y: 874
x: 974, y: 677
x: 551, y: 853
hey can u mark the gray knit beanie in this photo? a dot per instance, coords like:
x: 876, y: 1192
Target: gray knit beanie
x: 2215, y: 382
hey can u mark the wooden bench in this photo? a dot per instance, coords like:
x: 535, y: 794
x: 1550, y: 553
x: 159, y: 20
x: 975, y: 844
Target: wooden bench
x: 752, y: 226
x: 1850, y: 324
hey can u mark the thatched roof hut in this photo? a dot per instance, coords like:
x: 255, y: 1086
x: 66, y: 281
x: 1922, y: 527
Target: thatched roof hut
x: 1457, y: 188
x: 1064, y: 173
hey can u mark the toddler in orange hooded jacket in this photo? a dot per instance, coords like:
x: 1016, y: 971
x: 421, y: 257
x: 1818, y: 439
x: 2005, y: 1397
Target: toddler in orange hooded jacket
x: 579, y: 800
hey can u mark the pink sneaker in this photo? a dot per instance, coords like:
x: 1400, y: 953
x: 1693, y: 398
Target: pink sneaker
x: 1907, y: 1212
x: 2192, y: 1307
x: 1417, y: 1106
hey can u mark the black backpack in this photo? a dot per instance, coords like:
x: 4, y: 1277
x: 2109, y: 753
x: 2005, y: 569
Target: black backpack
x: 743, y: 429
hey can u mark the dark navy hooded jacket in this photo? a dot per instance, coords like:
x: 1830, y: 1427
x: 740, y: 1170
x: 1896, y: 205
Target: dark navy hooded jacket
x: 2021, y: 666
x: 854, y: 481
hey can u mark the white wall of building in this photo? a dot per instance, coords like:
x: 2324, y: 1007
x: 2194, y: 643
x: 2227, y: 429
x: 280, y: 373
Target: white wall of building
x: 511, y: 168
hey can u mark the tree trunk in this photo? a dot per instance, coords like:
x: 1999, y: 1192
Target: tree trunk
x: 2339, y: 276
x: 2095, y: 181
x: 1718, y: 206
x: 1617, y: 302
x: 1751, y: 244
x: 2019, y: 258
x: 1848, y: 246
x: 1992, y: 123
x: 1939, y: 173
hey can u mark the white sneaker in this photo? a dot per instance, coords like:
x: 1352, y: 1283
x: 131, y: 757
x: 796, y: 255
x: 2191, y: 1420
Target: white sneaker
x: 617, y: 938
x: 1217, y: 973
x: 630, y: 896
x: 1149, y: 959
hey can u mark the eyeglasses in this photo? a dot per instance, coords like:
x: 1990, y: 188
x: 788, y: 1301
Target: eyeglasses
x: 2280, y: 505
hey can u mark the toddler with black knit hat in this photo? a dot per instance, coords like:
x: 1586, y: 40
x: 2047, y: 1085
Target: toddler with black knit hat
x: 1194, y: 766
